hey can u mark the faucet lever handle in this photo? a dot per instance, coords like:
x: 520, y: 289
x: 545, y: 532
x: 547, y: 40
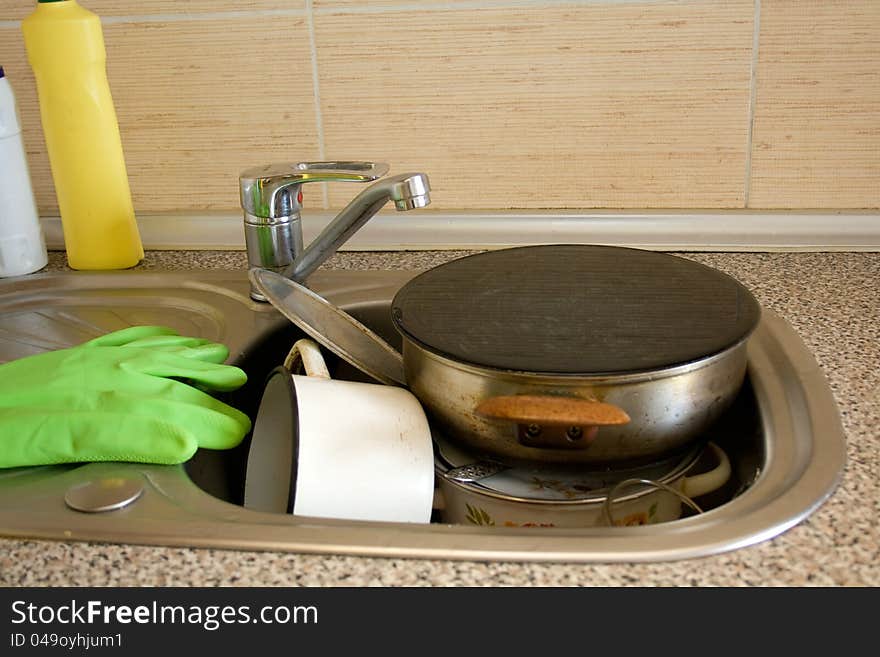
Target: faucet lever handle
x: 271, y: 190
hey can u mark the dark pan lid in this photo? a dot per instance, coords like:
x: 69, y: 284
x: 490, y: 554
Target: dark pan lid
x: 575, y: 309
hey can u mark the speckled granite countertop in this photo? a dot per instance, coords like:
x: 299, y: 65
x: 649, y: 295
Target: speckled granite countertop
x: 831, y: 299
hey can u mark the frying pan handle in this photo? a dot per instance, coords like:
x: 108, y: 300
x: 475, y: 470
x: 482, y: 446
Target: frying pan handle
x: 551, y: 409
x: 553, y: 421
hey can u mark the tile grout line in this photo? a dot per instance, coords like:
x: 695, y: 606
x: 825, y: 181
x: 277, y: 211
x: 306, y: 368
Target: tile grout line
x: 753, y: 99
x: 459, y: 5
x: 449, y: 5
x: 316, y: 93
x: 184, y: 17
x: 201, y: 16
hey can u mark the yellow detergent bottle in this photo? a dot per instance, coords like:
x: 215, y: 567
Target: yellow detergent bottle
x: 65, y: 46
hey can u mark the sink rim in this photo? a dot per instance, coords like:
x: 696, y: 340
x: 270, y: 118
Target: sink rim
x: 800, y: 472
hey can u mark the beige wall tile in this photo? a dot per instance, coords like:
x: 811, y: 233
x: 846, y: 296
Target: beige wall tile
x: 18, y: 9
x: 13, y: 10
x: 816, y: 134
x: 600, y: 104
x: 597, y: 105
x: 196, y: 104
x: 203, y: 106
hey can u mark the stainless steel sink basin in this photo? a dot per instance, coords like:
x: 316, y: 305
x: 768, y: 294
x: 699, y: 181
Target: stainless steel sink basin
x: 783, y: 435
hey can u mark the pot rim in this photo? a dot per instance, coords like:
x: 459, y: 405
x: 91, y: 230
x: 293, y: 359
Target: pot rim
x: 731, y: 332
x: 441, y: 466
x: 595, y: 378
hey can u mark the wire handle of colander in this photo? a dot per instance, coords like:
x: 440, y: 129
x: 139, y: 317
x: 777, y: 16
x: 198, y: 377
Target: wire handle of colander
x: 609, y: 499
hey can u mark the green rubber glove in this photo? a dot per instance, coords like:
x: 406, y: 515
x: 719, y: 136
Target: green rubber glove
x: 133, y: 395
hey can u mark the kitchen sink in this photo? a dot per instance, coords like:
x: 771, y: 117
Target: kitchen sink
x: 783, y: 436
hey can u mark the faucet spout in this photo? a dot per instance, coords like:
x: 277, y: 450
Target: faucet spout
x: 408, y: 191
x: 271, y: 201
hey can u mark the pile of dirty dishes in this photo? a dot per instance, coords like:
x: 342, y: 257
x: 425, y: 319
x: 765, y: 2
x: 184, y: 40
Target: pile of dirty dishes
x: 574, y: 356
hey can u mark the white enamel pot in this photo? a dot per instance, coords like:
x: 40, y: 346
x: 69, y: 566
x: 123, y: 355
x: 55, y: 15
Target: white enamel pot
x: 505, y: 499
x: 338, y: 449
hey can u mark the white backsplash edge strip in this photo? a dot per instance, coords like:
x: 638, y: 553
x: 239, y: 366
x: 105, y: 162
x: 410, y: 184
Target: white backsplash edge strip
x: 686, y: 230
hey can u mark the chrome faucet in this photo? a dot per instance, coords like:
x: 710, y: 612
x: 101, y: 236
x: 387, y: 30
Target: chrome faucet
x: 271, y: 200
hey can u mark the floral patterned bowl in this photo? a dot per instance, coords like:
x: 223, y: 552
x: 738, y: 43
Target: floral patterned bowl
x: 541, y: 497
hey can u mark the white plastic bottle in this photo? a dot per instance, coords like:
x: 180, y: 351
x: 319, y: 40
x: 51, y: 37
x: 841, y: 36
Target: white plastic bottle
x: 22, y: 245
